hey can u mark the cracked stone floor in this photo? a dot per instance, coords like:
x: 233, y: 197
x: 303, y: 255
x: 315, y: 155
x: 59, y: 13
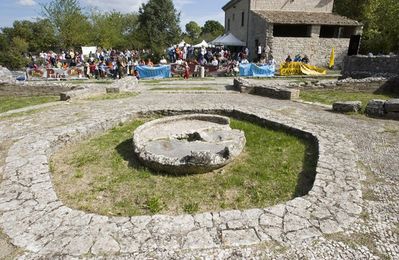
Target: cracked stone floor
x: 351, y: 213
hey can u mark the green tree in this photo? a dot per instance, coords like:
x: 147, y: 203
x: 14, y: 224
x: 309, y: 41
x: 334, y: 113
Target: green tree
x: 193, y: 31
x: 213, y: 27
x: 159, y: 24
x: 379, y: 17
x: 71, y: 25
x: 113, y: 30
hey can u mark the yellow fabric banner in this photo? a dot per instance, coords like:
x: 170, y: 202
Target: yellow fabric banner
x: 299, y: 68
x: 332, y: 59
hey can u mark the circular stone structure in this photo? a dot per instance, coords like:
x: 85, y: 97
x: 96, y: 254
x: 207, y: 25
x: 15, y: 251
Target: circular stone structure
x: 188, y: 144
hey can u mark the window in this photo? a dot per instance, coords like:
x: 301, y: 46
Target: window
x: 334, y: 31
x: 228, y: 24
x: 292, y: 30
x: 242, y: 18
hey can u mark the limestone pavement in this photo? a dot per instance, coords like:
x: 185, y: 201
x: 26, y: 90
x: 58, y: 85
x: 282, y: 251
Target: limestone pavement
x: 351, y: 212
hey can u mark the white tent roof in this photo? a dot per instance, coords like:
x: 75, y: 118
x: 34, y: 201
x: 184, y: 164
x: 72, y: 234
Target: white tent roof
x: 229, y: 40
x: 181, y: 44
x: 203, y: 43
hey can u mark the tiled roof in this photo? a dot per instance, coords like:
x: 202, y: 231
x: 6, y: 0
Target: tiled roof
x: 280, y: 17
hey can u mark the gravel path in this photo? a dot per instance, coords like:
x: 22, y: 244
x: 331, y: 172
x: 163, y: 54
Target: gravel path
x: 351, y: 213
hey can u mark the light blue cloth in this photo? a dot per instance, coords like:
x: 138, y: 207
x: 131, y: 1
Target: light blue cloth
x: 253, y: 70
x: 159, y: 72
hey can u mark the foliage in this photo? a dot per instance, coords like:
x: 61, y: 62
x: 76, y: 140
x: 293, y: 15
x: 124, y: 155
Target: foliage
x: 193, y: 31
x: 379, y: 17
x: 67, y: 17
x: 159, y: 24
x: 212, y: 28
x: 113, y: 29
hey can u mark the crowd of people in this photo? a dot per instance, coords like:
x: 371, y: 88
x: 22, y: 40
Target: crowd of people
x: 115, y: 64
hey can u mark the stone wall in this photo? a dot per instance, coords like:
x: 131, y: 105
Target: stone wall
x: 258, y: 30
x: 365, y: 66
x: 317, y: 49
x: 234, y: 14
x: 323, y: 6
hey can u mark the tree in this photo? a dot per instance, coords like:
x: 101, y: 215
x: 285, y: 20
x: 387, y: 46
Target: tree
x: 71, y: 25
x: 159, y: 24
x: 113, y: 30
x: 193, y: 30
x: 213, y: 27
x: 379, y: 17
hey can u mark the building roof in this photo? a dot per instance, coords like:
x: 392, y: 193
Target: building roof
x: 284, y: 17
x: 230, y: 4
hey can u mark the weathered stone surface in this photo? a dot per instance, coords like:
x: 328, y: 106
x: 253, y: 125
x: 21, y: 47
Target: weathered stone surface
x: 188, y: 144
x: 342, y: 142
x: 392, y: 105
x: 375, y: 108
x: 347, y: 106
x: 239, y: 237
x: 276, y: 92
x: 112, y: 90
x: 199, y: 239
x: 5, y: 75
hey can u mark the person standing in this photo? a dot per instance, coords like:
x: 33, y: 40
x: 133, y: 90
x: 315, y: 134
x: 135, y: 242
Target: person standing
x: 259, y: 52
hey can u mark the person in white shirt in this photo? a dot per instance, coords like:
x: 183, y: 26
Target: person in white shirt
x: 163, y: 61
x: 215, y: 62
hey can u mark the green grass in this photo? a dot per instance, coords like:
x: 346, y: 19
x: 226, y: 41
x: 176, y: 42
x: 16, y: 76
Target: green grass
x: 329, y: 96
x: 101, y: 175
x: 183, y: 89
x: 110, y: 96
x: 10, y: 103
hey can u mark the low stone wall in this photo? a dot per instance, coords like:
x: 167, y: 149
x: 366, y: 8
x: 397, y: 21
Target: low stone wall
x: 365, y: 66
x: 244, y: 86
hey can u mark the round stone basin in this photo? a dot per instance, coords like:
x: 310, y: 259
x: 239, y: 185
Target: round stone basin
x: 188, y: 144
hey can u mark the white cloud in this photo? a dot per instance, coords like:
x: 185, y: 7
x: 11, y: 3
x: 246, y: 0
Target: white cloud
x: 27, y: 2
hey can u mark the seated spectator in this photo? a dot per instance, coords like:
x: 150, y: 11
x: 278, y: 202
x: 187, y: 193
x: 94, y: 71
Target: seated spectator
x: 163, y: 61
x: 244, y: 60
x: 215, y: 62
x: 298, y: 58
x: 136, y: 74
x: 149, y: 63
x: 305, y: 59
x: 288, y: 59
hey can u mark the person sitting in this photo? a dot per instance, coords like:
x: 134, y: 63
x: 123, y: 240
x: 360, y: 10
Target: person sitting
x: 163, y: 61
x: 298, y: 58
x: 136, y: 74
x: 215, y: 61
x: 288, y: 59
x: 305, y: 59
x: 244, y: 60
x: 149, y: 63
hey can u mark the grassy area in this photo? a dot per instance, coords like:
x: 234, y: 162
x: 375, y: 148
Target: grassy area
x: 101, y: 175
x: 11, y: 103
x: 109, y: 96
x: 92, y: 81
x: 329, y: 96
x: 183, y: 89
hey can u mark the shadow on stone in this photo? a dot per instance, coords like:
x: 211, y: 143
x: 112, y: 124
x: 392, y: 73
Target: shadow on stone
x: 307, y: 176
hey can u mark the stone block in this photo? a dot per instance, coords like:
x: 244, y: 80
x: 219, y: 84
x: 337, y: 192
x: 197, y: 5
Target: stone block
x: 347, y: 106
x: 112, y: 90
x: 375, y: 108
x: 277, y: 92
x: 392, y: 105
x: 242, y: 85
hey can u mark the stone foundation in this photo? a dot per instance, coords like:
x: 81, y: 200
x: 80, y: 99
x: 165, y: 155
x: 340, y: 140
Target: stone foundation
x: 365, y: 66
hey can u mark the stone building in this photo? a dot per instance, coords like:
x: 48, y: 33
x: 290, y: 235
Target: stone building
x: 293, y: 27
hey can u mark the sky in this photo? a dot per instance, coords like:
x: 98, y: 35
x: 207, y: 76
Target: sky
x: 191, y: 10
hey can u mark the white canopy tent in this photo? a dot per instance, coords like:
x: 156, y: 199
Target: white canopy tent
x: 182, y: 43
x: 229, y: 40
x: 203, y: 43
